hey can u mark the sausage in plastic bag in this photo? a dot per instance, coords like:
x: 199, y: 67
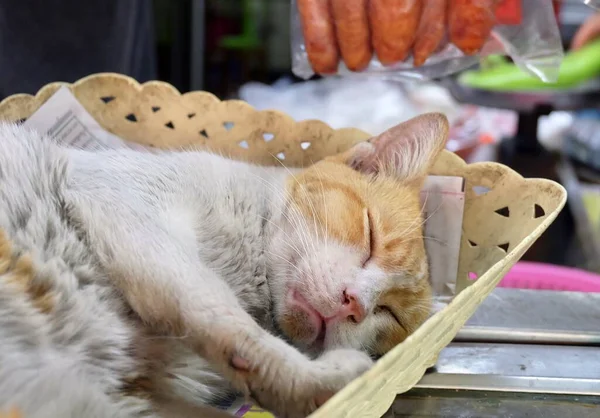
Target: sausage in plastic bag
x: 470, y: 23
x: 432, y: 30
x: 352, y: 28
x: 394, y: 26
x: 319, y: 35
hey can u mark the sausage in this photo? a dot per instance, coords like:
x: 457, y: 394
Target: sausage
x: 394, y: 26
x: 470, y: 23
x: 319, y: 35
x: 352, y: 29
x: 432, y: 30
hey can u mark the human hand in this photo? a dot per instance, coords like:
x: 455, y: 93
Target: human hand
x: 588, y: 32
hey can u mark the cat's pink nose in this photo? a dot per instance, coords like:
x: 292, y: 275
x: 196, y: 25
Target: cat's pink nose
x: 351, y: 307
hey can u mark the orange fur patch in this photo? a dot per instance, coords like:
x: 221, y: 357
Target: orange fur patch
x: 337, y: 197
x: 139, y: 387
x: 20, y: 275
x: 12, y: 413
x: 412, y: 307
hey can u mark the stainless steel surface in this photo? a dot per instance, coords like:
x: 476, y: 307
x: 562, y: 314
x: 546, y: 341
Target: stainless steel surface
x: 511, y: 335
x: 525, y: 309
x: 520, y: 360
x: 520, y: 384
x: 517, y: 368
x: 465, y: 404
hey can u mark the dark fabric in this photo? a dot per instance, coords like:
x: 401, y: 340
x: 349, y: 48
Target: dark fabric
x: 42, y: 41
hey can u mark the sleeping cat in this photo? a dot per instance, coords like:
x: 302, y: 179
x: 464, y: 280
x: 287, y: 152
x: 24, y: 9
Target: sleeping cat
x: 150, y: 284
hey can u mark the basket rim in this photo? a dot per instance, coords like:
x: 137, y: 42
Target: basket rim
x: 140, y: 86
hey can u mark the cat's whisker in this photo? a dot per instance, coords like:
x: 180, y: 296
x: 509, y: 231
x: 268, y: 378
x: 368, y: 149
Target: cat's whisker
x: 292, y: 218
x: 296, y: 218
x: 283, y: 213
x: 434, y: 239
x: 308, y: 197
x: 423, y: 221
x: 299, y: 222
x: 286, y: 261
x: 416, y: 220
x: 419, y: 221
x: 326, y: 213
x: 288, y: 241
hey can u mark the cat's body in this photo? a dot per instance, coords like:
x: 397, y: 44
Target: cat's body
x: 226, y: 204
x: 41, y: 221
x: 140, y: 281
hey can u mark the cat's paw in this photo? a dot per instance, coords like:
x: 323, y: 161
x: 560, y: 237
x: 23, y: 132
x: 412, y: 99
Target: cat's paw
x: 338, y: 368
x: 312, y: 384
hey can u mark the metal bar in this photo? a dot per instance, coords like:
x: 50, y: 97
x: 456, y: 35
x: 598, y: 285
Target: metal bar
x: 527, y: 336
x: 478, y: 382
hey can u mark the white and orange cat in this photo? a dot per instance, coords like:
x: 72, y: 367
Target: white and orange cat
x: 138, y: 285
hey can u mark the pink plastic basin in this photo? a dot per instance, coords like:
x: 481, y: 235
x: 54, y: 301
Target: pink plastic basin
x: 528, y: 275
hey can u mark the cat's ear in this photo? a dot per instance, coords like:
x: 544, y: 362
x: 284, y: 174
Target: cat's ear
x: 406, y: 151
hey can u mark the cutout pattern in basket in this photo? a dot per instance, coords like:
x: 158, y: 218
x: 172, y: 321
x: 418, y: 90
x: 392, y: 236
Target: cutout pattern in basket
x: 504, y: 247
x: 503, y: 211
x: 538, y: 211
x: 481, y: 190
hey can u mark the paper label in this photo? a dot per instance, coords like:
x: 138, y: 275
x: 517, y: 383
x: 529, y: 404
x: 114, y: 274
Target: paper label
x: 66, y: 121
x: 443, y: 199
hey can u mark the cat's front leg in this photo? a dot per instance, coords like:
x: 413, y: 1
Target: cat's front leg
x: 202, y: 309
x: 159, y: 273
x: 277, y: 375
x: 296, y: 390
x: 149, y: 249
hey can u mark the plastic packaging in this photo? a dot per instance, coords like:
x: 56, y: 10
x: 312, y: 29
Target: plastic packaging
x: 422, y: 39
x: 578, y: 67
x: 593, y: 3
x: 383, y: 104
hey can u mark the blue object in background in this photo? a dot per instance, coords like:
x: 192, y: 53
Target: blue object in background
x: 587, y: 114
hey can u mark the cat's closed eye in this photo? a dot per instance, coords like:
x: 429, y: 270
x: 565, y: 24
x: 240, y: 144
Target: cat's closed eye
x: 370, y: 237
x: 386, y: 310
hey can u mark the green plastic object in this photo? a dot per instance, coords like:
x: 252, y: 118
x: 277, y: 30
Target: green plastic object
x: 249, y: 38
x: 576, y: 68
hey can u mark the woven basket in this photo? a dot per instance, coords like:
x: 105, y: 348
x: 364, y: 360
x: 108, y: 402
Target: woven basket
x: 504, y: 213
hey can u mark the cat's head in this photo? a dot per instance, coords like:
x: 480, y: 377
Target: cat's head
x: 348, y: 261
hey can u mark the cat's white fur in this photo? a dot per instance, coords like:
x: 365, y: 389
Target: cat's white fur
x: 181, y: 239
